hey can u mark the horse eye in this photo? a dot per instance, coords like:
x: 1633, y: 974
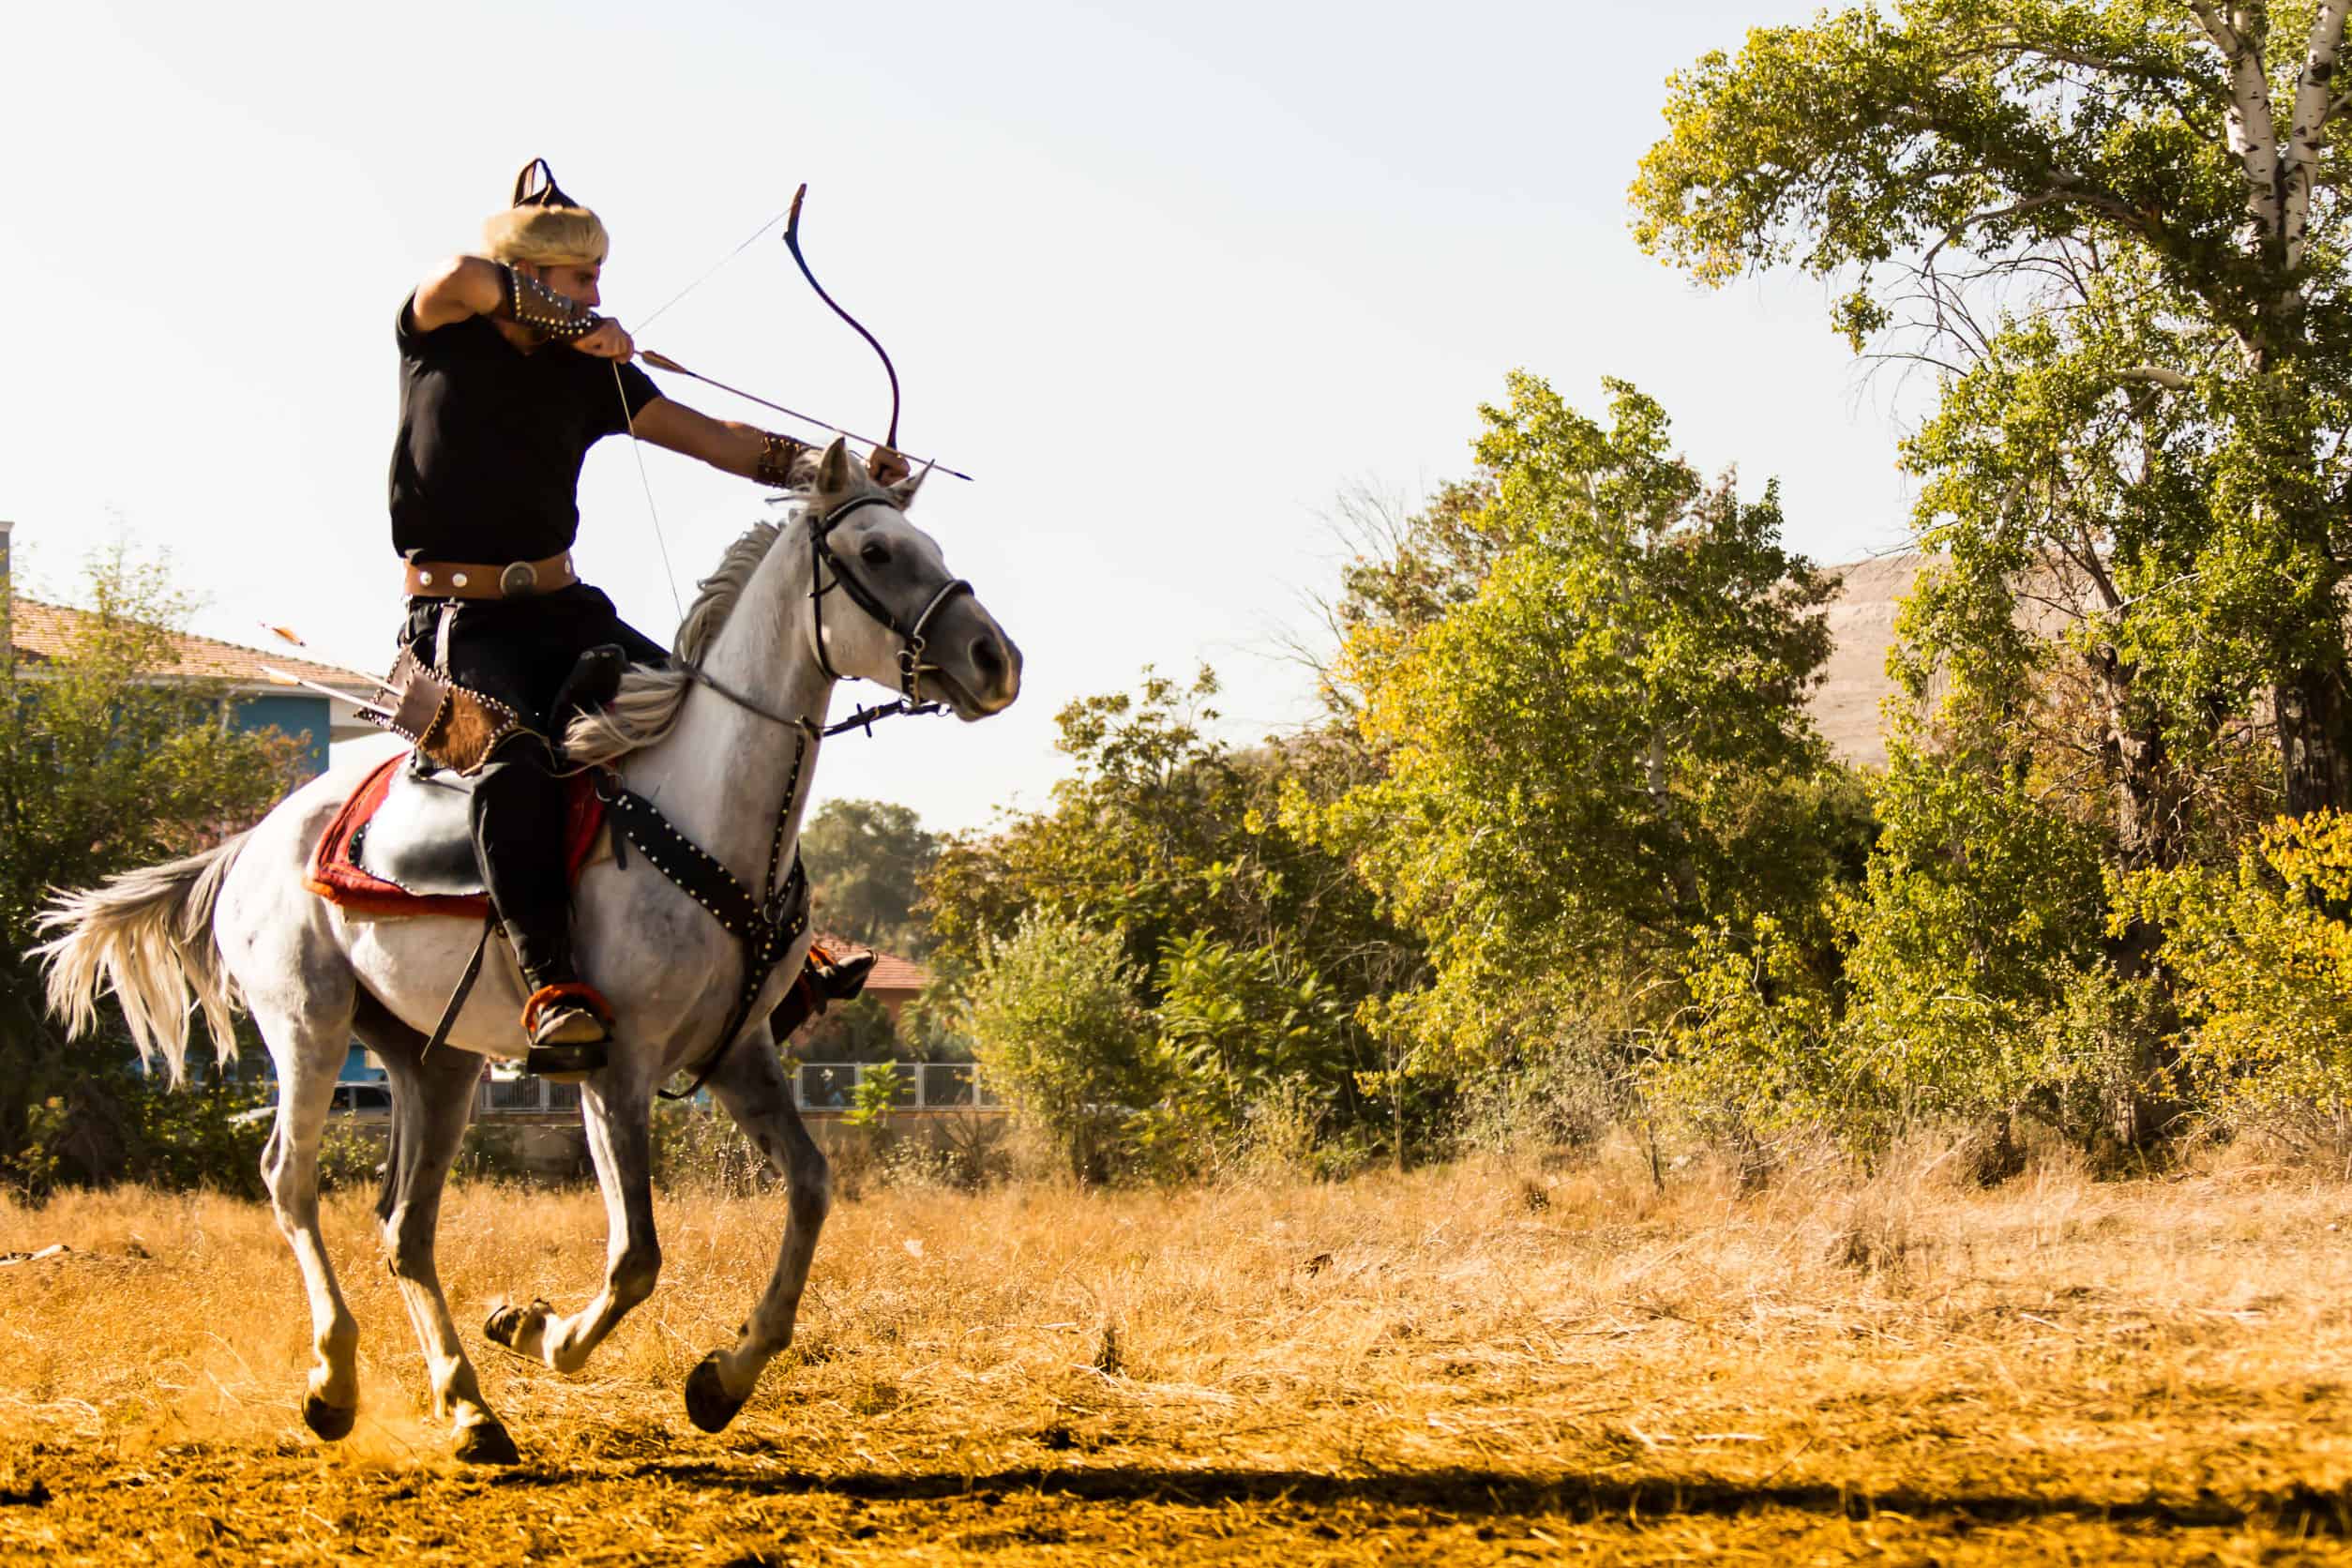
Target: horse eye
x: 874, y: 555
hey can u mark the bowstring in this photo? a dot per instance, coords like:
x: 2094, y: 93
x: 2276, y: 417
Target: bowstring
x: 637, y: 450
x: 629, y: 417
x: 757, y: 234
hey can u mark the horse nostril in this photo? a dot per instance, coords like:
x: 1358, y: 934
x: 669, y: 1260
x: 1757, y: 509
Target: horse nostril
x: 985, y: 655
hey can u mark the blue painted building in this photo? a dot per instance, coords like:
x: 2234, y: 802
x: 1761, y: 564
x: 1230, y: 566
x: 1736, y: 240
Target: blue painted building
x: 39, y: 632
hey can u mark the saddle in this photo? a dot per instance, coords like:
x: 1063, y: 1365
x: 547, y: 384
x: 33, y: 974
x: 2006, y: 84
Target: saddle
x: 402, y: 844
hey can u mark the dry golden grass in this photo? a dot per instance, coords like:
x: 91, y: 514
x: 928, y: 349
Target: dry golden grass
x: 1467, y: 1366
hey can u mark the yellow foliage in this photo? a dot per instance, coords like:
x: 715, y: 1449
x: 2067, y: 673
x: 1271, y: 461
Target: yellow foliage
x: 2263, y: 957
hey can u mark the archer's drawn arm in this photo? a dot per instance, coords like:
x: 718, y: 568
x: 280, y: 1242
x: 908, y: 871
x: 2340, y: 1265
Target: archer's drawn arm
x: 745, y: 451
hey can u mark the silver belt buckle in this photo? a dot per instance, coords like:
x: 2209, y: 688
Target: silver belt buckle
x: 519, y: 580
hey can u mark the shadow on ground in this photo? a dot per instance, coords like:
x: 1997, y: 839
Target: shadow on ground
x: 2297, y: 1509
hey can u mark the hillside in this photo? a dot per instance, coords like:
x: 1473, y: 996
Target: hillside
x: 1862, y: 623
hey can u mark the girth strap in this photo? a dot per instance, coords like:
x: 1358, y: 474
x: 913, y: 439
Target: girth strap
x: 465, y: 988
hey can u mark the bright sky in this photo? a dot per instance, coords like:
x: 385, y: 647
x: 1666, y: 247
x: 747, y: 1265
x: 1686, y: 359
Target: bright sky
x: 1167, y: 279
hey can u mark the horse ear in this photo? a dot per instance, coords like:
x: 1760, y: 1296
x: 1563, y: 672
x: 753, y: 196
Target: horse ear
x: 832, y: 469
x: 904, y: 490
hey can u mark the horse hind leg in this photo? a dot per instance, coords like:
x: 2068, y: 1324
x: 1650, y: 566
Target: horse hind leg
x: 752, y: 1084
x: 433, y: 1100
x: 308, y: 1043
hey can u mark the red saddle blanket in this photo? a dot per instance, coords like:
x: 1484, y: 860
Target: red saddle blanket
x: 339, y: 879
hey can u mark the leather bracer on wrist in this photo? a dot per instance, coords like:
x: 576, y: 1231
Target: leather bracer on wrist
x: 777, y: 459
x: 530, y: 303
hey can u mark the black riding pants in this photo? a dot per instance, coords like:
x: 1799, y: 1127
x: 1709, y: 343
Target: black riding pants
x: 520, y: 651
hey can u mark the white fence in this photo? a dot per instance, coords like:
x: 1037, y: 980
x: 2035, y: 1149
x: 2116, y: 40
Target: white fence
x: 819, y: 1088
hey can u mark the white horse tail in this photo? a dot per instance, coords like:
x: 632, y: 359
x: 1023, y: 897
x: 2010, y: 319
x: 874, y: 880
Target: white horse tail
x: 147, y: 935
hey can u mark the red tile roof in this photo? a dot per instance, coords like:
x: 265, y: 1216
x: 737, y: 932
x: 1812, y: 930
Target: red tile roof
x: 41, y: 632
x: 891, y: 973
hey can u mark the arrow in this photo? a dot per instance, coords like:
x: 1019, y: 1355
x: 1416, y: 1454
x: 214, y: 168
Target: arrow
x: 663, y: 362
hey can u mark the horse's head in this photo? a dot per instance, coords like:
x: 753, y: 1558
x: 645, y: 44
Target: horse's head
x: 887, y: 608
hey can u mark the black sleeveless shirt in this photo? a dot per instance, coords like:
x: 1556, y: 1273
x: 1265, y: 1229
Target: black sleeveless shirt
x: 487, y: 463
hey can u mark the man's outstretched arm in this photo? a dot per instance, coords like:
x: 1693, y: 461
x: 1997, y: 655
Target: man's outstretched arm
x: 737, y: 448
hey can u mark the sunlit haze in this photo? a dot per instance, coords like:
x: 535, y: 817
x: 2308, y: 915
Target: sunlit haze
x: 1167, y: 282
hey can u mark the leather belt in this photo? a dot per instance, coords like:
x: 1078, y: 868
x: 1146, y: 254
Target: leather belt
x: 479, y: 579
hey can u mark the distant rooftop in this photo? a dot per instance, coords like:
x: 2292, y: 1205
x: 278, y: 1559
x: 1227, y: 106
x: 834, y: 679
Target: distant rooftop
x: 891, y: 973
x: 41, y: 632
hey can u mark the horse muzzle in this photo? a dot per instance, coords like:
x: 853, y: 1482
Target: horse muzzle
x: 971, y: 664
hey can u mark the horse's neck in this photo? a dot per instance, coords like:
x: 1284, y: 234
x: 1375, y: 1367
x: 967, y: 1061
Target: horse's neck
x: 721, y: 774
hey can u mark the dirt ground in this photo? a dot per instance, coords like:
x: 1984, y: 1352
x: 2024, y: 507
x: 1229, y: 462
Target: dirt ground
x: 1479, y: 1365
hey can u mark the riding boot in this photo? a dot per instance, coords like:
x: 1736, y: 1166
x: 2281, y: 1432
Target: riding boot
x: 518, y: 821
x: 823, y: 980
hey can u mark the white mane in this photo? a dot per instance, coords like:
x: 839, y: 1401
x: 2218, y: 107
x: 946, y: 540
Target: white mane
x: 647, y: 704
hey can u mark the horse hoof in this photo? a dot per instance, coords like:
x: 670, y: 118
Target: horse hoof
x: 485, y: 1443
x: 330, y: 1421
x: 505, y: 1324
x: 709, y: 1405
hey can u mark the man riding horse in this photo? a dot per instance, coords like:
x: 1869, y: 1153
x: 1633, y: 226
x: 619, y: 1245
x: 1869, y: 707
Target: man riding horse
x: 508, y: 377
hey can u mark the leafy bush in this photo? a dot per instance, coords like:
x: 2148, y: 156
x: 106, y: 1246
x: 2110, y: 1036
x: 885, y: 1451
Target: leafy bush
x: 2263, y: 958
x: 1977, y: 986
x: 351, y: 1157
x: 1754, y: 1054
x: 1980, y: 984
x: 876, y: 1096
x: 1053, y: 1016
x: 113, y: 1124
x: 1241, y: 1029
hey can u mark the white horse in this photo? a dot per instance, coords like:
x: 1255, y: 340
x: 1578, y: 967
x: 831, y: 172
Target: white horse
x: 715, y: 742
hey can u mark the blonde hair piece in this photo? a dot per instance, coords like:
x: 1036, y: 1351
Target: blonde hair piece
x: 546, y: 237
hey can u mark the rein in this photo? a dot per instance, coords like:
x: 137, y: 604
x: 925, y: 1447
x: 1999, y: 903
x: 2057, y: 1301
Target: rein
x: 862, y: 718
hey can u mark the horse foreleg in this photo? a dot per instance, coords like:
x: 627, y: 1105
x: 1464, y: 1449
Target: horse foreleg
x: 752, y: 1084
x: 432, y: 1102
x: 620, y: 1142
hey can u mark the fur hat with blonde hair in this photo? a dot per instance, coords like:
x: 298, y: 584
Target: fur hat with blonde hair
x: 544, y: 226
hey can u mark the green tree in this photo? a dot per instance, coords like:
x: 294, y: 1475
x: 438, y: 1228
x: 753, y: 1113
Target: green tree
x: 2070, y: 510
x: 2152, y: 192
x: 1166, y: 836
x: 104, y: 767
x: 866, y: 861
x: 858, y: 1030
x: 1133, y: 841
x: 1601, y: 748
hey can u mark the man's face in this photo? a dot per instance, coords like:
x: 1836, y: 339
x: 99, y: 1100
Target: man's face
x: 574, y: 282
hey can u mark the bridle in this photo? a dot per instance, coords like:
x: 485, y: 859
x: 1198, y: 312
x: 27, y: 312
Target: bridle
x: 911, y: 640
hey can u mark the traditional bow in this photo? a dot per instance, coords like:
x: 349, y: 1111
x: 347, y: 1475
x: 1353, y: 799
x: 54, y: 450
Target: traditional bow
x: 792, y: 241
